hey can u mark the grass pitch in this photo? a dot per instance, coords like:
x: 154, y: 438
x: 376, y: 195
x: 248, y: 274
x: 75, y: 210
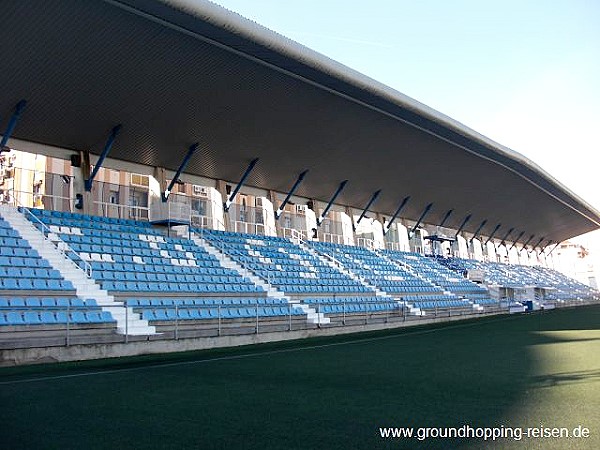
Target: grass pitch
x: 333, y: 393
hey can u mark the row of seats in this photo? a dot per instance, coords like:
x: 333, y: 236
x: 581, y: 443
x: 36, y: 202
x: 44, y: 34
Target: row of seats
x: 225, y: 301
x: 444, y: 304
x: 29, y: 272
x: 65, y: 215
x: 47, y: 302
x: 19, y: 261
x: 283, y: 264
x: 216, y: 313
x: 377, y: 270
x: 173, y: 278
x: 348, y: 299
x: 19, y: 284
x: 52, y: 318
x: 140, y: 286
x: 13, y: 241
x: 206, y: 268
x: 132, y: 256
x: 358, y: 308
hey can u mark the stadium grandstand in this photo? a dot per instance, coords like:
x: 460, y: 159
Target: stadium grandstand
x: 174, y: 176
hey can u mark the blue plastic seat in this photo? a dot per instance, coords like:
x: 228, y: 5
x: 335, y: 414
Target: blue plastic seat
x: 9, y: 284
x: 78, y: 317
x: 93, y: 317
x: 194, y: 313
x: 40, y: 284
x: 148, y: 314
x: 160, y: 314
x: 31, y: 318
x: 33, y: 302
x: 61, y: 317
x: 183, y: 314
x: 48, y: 317
x: 14, y: 318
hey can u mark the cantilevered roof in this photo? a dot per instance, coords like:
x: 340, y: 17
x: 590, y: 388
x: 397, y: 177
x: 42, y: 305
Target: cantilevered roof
x: 175, y: 72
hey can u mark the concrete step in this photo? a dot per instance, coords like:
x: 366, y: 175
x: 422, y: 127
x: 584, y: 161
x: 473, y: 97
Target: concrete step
x: 84, y: 287
x: 344, y: 270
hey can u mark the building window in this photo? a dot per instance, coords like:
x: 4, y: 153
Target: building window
x: 140, y: 180
x: 199, y: 206
x: 113, y: 197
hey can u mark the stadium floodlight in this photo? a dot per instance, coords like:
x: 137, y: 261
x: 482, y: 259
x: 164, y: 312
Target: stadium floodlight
x: 12, y: 123
x: 289, y: 195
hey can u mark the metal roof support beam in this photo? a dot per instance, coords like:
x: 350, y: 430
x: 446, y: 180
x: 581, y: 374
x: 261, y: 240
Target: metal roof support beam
x: 538, y: 243
x: 446, y: 217
x: 526, y: 242
x: 516, y: 240
x: 328, y: 207
x: 503, y: 241
x: 362, y: 215
x: 184, y: 163
x: 12, y: 123
x: 550, y: 242
x: 287, y: 198
x: 481, y: 225
x: 553, y: 248
x: 493, y: 234
x: 109, y: 143
x: 423, y: 214
x: 462, y: 225
x: 231, y: 198
x: 391, y: 221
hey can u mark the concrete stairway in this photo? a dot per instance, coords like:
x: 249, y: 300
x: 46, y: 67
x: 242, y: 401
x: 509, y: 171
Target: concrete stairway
x: 225, y: 261
x: 85, y: 287
x: 332, y: 262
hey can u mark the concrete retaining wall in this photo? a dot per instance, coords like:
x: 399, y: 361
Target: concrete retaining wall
x: 39, y: 355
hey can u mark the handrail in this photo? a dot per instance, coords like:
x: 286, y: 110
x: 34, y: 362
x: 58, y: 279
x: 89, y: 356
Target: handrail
x: 367, y: 243
x: 219, y: 247
x: 137, y: 210
x: 60, y: 245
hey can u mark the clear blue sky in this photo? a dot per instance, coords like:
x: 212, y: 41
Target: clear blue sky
x: 524, y: 73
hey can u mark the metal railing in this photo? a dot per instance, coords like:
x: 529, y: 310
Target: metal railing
x: 219, y: 246
x: 366, y: 243
x: 231, y: 316
x: 118, y: 211
x: 332, y: 238
x: 395, y: 246
x: 20, y: 198
x: 60, y: 245
x: 293, y: 234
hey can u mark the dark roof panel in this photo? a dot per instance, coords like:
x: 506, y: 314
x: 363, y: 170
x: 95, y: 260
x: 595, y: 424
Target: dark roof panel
x: 178, y: 72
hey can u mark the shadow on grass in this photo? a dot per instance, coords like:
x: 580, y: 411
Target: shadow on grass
x: 556, y: 379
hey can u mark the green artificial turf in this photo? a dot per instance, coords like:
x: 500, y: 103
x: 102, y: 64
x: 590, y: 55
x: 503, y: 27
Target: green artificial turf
x: 332, y: 393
